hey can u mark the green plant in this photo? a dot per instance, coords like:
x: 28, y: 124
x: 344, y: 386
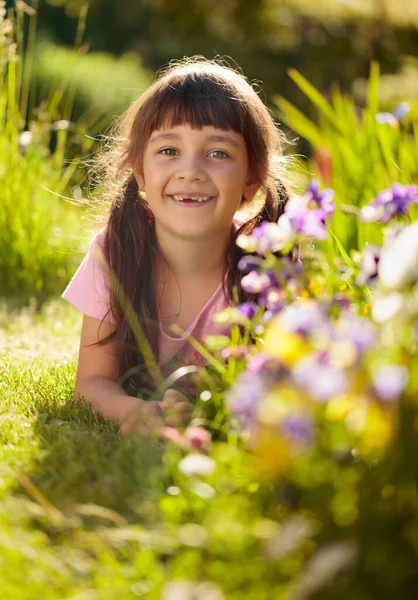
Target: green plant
x: 37, y: 227
x: 357, y: 154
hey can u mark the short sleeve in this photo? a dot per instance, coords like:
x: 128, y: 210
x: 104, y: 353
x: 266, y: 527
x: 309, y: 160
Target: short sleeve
x: 88, y: 290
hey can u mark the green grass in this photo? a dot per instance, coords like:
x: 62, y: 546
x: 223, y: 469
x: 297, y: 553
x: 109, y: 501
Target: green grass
x: 56, y: 459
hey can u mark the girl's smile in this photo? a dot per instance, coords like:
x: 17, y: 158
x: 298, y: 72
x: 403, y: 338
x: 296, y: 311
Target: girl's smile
x: 185, y: 168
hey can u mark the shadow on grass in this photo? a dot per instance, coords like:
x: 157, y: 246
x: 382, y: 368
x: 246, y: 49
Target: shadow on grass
x: 80, y: 457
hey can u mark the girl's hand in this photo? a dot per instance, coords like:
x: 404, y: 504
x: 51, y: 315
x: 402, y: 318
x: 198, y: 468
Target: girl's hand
x: 173, y: 410
x: 176, y: 408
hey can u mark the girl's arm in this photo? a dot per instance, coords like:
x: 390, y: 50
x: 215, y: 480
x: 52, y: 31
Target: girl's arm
x: 97, y: 374
x: 99, y: 370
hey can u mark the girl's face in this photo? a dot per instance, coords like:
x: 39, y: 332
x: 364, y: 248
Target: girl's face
x: 194, y: 180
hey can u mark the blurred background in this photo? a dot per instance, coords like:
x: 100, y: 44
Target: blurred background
x: 109, y: 49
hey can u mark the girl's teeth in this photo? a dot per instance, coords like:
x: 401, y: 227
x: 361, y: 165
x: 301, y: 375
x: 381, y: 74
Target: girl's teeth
x: 182, y: 198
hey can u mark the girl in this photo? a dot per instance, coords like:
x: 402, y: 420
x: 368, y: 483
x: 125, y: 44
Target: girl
x: 190, y: 152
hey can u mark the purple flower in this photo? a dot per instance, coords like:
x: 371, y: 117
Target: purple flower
x: 389, y: 381
x: 302, y: 318
x: 247, y: 392
x: 310, y: 222
x: 317, y: 199
x: 258, y: 283
x: 248, y: 309
x: 394, y: 117
x: 271, y: 237
x: 342, y: 301
x: 322, y: 381
x: 254, y: 282
x: 267, y: 366
x: 389, y: 203
x: 249, y: 263
x: 274, y: 300
x: 356, y: 330
x: 401, y: 110
x: 369, y: 263
x: 298, y: 428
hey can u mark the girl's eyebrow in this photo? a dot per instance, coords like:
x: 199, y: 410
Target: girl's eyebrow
x: 226, y: 139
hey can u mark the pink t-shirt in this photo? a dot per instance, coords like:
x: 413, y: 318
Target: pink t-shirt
x: 88, y: 291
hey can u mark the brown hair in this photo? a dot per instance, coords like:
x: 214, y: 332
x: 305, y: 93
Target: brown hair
x: 200, y: 93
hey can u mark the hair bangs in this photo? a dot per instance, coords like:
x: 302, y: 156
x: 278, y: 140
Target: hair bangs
x: 198, y: 102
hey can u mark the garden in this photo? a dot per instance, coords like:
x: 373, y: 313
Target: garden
x: 297, y: 475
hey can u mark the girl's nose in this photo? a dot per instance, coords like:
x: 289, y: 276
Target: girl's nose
x: 191, y: 169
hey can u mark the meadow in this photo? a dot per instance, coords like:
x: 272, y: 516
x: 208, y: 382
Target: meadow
x: 297, y: 475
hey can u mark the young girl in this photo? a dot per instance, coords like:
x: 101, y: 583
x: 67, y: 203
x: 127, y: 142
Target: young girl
x: 189, y: 153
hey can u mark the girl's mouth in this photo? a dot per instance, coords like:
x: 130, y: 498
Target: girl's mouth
x: 182, y: 200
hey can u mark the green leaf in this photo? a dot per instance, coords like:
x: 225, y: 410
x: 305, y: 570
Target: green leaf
x: 312, y: 93
x: 297, y: 121
x: 348, y: 261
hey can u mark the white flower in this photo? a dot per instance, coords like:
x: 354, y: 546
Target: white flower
x: 387, y: 307
x: 398, y: 265
x: 197, y: 464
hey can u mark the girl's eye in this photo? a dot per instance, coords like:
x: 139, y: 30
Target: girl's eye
x: 218, y: 152
x: 168, y: 151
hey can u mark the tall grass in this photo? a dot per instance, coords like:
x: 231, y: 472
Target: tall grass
x: 362, y: 155
x: 36, y: 224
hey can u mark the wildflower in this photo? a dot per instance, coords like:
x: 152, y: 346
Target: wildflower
x: 268, y: 365
x: 240, y: 351
x: 387, y: 118
x: 248, y: 309
x: 389, y: 381
x: 389, y: 203
x: 373, y: 427
x: 287, y: 346
x: 248, y: 390
x: 198, y: 438
x: 322, y: 381
x: 197, y: 464
x: 342, y: 301
x: 297, y: 428
x: 369, y: 263
x: 393, y: 118
x: 249, y: 263
x: 24, y: 140
x: 401, y: 110
x: 398, y: 266
x: 255, y: 283
x: 387, y: 307
x: 302, y: 317
x: 317, y: 199
x: 360, y: 332
x: 272, y: 455
x: 274, y: 301
x: 268, y: 237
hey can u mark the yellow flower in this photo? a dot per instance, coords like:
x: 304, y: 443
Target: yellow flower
x: 277, y: 404
x: 287, y: 346
x: 377, y: 431
x: 338, y: 408
x: 271, y: 456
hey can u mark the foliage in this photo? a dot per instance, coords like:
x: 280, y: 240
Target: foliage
x: 263, y: 38
x: 103, y: 86
x: 358, y: 152
x: 36, y: 225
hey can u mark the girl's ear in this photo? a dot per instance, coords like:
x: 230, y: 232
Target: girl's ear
x: 141, y: 185
x: 250, y: 191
